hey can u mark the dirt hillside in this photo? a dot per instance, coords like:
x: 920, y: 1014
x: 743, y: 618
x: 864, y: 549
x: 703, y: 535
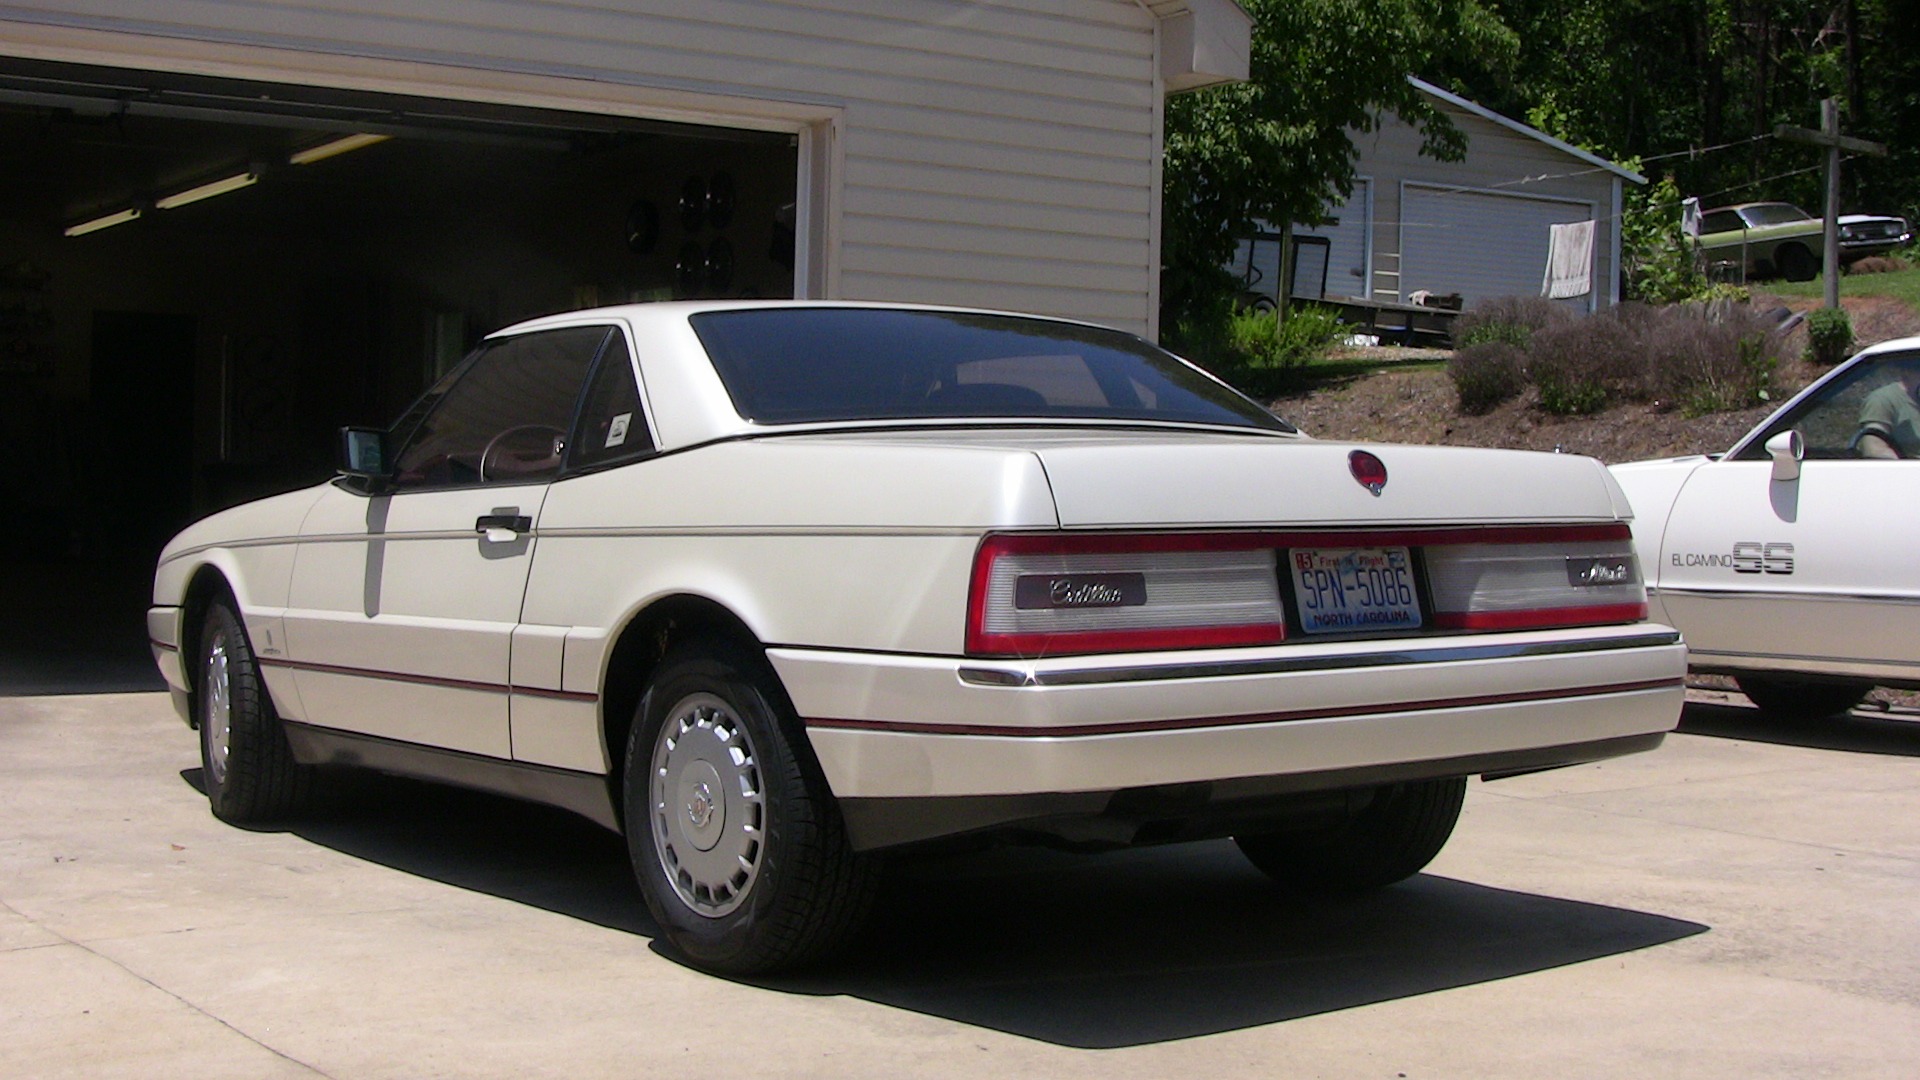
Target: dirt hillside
x: 1419, y: 406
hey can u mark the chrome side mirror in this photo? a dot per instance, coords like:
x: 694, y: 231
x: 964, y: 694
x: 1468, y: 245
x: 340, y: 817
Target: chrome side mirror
x: 1787, y: 449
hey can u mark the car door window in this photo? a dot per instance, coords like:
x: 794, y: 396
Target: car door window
x: 612, y: 427
x: 1876, y: 399
x: 504, y: 418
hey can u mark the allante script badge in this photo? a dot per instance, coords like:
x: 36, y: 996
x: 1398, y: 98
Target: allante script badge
x: 1079, y: 590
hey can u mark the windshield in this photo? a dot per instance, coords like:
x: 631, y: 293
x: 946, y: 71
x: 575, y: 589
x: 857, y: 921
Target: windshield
x: 1774, y: 213
x: 809, y: 365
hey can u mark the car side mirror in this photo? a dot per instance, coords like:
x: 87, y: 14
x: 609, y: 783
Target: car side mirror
x: 363, y: 457
x: 1787, y: 449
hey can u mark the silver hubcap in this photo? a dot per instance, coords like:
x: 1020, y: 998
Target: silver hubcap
x: 709, y: 811
x: 216, y: 717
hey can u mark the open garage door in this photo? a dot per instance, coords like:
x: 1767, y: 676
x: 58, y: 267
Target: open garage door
x: 201, y: 280
x: 1480, y: 244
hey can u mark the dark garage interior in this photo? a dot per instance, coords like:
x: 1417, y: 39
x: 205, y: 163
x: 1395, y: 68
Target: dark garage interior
x: 201, y: 280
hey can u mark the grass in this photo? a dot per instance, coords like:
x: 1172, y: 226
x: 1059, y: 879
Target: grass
x: 1902, y: 285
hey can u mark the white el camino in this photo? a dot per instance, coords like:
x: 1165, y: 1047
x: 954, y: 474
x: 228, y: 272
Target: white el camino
x: 774, y: 588
x: 1789, y: 561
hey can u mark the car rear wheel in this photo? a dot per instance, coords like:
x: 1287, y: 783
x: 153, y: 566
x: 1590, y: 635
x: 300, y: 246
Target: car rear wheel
x: 1792, y: 699
x: 246, y: 765
x: 1392, y: 834
x: 1797, y: 263
x: 738, y: 846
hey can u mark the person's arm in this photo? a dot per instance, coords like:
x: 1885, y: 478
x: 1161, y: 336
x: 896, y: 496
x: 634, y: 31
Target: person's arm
x: 1872, y: 444
x: 1875, y: 439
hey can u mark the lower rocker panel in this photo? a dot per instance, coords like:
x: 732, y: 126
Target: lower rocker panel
x: 583, y: 793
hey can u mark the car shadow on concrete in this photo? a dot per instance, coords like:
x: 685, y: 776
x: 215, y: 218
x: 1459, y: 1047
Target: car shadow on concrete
x: 1862, y: 731
x: 1115, y: 949
x: 1136, y: 947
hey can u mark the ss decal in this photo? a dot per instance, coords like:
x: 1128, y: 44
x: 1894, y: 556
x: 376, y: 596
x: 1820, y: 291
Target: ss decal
x: 1754, y: 557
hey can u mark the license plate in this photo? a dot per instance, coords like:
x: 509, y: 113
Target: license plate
x: 1349, y: 589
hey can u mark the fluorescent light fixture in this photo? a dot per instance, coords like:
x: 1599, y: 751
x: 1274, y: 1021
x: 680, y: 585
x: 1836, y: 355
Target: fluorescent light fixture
x: 338, y: 146
x: 206, y: 191
x: 104, y: 221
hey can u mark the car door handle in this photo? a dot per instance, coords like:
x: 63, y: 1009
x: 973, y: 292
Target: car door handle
x: 502, y: 528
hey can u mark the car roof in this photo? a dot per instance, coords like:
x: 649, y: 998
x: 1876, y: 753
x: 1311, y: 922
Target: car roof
x: 680, y: 310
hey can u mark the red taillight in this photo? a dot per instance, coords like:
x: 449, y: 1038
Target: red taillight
x: 1583, y: 576
x: 1053, y: 594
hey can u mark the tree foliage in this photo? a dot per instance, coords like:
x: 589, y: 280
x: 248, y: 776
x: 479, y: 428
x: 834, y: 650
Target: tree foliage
x: 1708, y: 80
x: 1278, y: 147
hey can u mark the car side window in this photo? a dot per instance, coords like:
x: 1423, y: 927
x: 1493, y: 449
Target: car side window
x: 504, y: 420
x: 1842, y: 423
x: 612, y: 427
x: 1720, y: 221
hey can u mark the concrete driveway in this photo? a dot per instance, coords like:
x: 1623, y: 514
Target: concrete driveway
x: 1744, y: 902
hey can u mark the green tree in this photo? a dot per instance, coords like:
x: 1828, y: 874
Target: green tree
x: 1278, y: 147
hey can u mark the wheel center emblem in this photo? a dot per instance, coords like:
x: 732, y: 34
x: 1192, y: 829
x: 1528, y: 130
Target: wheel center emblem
x: 700, y: 806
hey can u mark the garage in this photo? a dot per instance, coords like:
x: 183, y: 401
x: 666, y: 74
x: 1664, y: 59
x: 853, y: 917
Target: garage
x: 464, y: 166
x: 202, y: 279
x: 1478, y: 243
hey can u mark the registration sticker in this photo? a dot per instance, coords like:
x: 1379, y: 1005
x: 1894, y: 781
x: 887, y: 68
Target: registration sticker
x: 1348, y: 589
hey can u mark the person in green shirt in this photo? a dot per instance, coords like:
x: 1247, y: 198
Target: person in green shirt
x: 1890, y: 416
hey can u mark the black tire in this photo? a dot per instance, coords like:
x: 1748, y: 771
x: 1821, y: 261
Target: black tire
x: 1794, y: 699
x: 717, y: 758
x: 1796, y: 263
x: 246, y: 765
x: 1393, y: 835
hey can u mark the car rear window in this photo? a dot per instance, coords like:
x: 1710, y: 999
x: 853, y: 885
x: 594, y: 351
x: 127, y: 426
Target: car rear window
x: 810, y: 365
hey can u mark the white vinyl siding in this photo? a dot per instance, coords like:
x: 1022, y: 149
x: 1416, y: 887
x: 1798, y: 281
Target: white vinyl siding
x: 1000, y: 154
x: 1480, y: 244
x: 1348, y: 255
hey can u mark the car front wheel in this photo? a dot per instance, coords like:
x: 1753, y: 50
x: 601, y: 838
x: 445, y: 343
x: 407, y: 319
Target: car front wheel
x: 246, y: 765
x: 1390, y: 835
x: 737, y: 844
x: 1792, y: 699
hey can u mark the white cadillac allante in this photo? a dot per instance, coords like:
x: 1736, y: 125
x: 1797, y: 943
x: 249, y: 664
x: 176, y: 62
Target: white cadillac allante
x: 775, y: 587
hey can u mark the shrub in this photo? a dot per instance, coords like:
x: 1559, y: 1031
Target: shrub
x: 1658, y: 258
x: 1511, y: 320
x: 1829, y: 336
x: 1581, y: 367
x: 1486, y: 374
x: 1260, y: 354
x: 1879, y: 264
x: 1704, y: 358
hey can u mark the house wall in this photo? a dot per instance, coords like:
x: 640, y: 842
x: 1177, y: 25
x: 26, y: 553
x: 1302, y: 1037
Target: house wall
x: 1510, y: 177
x: 998, y: 154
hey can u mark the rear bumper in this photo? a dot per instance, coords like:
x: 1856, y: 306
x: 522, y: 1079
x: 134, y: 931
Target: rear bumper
x: 892, y: 731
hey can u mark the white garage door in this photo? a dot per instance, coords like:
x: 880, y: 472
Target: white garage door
x: 1479, y: 244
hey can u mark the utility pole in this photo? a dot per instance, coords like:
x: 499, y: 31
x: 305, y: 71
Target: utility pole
x: 1829, y: 137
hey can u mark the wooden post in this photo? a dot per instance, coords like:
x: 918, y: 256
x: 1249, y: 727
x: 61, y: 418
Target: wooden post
x: 1830, y: 138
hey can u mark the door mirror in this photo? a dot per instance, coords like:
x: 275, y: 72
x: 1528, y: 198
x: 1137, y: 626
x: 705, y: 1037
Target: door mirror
x: 1787, y: 449
x: 363, y: 456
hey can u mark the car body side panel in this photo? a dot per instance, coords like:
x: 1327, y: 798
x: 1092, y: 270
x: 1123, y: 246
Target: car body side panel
x: 1651, y: 487
x: 1810, y: 574
x: 400, y: 616
x: 252, y: 547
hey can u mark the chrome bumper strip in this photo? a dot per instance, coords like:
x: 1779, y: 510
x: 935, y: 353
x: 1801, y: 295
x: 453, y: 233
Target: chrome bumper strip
x: 1433, y: 654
